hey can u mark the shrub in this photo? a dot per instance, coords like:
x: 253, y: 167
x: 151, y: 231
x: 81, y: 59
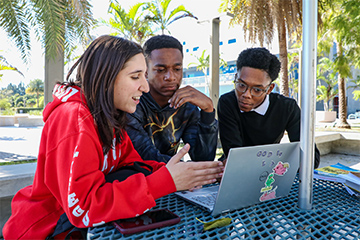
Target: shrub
x: 35, y: 112
x: 27, y: 109
x: 8, y: 111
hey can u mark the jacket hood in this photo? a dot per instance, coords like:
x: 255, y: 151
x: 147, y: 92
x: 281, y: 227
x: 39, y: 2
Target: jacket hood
x: 63, y: 94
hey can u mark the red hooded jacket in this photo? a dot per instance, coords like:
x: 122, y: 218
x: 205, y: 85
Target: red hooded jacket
x: 70, y: 175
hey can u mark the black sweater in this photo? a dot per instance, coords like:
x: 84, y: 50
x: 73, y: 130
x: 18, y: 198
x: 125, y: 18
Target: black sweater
x: 238, y: 129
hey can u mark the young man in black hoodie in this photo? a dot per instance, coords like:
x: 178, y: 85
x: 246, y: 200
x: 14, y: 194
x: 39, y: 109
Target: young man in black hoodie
x: 168, y: 113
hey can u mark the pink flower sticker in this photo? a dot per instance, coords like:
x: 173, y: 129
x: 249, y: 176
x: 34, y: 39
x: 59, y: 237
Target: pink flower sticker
x: 281, y: 168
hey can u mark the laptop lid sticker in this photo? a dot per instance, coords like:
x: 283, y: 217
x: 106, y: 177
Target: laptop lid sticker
x: 280, y: 170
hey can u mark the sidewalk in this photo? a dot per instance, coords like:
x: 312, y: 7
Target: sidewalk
x: 19, y: 143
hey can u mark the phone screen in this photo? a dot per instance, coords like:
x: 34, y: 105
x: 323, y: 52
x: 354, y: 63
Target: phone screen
x: 149, y: 220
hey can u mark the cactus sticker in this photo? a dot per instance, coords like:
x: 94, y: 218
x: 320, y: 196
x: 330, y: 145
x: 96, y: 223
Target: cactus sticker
x: 270, y: 180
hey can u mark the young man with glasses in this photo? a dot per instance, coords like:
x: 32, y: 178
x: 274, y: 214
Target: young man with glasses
x: 251, y: 114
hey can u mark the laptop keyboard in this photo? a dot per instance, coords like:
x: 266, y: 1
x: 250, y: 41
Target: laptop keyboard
x: 207, y: 200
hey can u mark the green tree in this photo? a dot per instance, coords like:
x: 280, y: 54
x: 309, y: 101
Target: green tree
x: 159, y: 13
x: 36, y: 86
x: 19, y: 89
x: 356, y: 85
x: 342, y: 26
x: 293, y: 68
x: 5, y: 93
x: 261, y: 19
x: 203, y: 64
x: 326, y: 75
x: 41, y: 102
x: 4, y: 103
x: 20, y: 101
x: 31, y: 102
x: 12, y: 99
x: 132, y: 24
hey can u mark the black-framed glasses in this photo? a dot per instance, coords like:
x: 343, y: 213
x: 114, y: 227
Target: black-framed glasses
x: 254, y: 91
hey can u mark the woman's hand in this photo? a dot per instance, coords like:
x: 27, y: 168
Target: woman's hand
x: 187, y: 175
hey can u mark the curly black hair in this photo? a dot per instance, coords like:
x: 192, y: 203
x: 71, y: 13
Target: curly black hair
x: 259, y: 58
x: 159, y: 42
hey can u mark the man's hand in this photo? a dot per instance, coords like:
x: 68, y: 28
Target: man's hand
x: 224, y: 163
x: 193, y: 96
x: 187, y: 175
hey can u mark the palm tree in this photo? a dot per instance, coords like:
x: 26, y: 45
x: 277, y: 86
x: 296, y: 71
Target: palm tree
x: 342, y: 26
x: 327, y: 91
x: 36, y: 86
x: 58, y: 24
x: 4, y: 65
x: 132, y: 24
x: 203, y: 64
x: 161, y: 17
x: 293, y: 64
x: 262, y: 18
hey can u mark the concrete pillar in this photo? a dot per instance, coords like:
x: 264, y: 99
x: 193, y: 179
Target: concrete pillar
x: 308, y: 98
x: 54, y: 72
x: 214, y: 61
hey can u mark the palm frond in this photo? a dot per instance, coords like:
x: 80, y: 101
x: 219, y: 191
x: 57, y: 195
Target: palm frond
x: 14, y: 21
x: 181, y: 16
x: 134, y: 10
x: 50, y: 24
x: 79, y: 21
x: 4, y: 65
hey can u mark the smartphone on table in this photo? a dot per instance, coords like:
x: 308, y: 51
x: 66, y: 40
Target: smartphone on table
x: 149, y: 220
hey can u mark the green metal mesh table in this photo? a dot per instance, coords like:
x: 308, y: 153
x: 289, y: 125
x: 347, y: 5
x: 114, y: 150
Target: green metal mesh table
x: 335, y: 215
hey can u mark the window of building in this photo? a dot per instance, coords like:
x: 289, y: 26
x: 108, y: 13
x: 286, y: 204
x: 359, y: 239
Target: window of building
x: 230, y: 41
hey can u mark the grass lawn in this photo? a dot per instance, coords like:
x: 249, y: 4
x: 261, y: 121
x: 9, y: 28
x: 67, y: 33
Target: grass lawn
x: 17, y: 162
x: 355, y: 128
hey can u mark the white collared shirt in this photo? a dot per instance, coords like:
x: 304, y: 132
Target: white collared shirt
x: 263, y: 107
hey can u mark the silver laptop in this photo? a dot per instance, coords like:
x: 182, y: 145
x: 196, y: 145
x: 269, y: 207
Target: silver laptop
x: 251, y: 175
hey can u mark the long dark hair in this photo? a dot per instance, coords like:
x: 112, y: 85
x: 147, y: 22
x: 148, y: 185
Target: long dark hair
x: 97, y: 70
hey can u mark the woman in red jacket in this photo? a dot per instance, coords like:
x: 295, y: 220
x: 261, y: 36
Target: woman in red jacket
x: 84, y: 140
